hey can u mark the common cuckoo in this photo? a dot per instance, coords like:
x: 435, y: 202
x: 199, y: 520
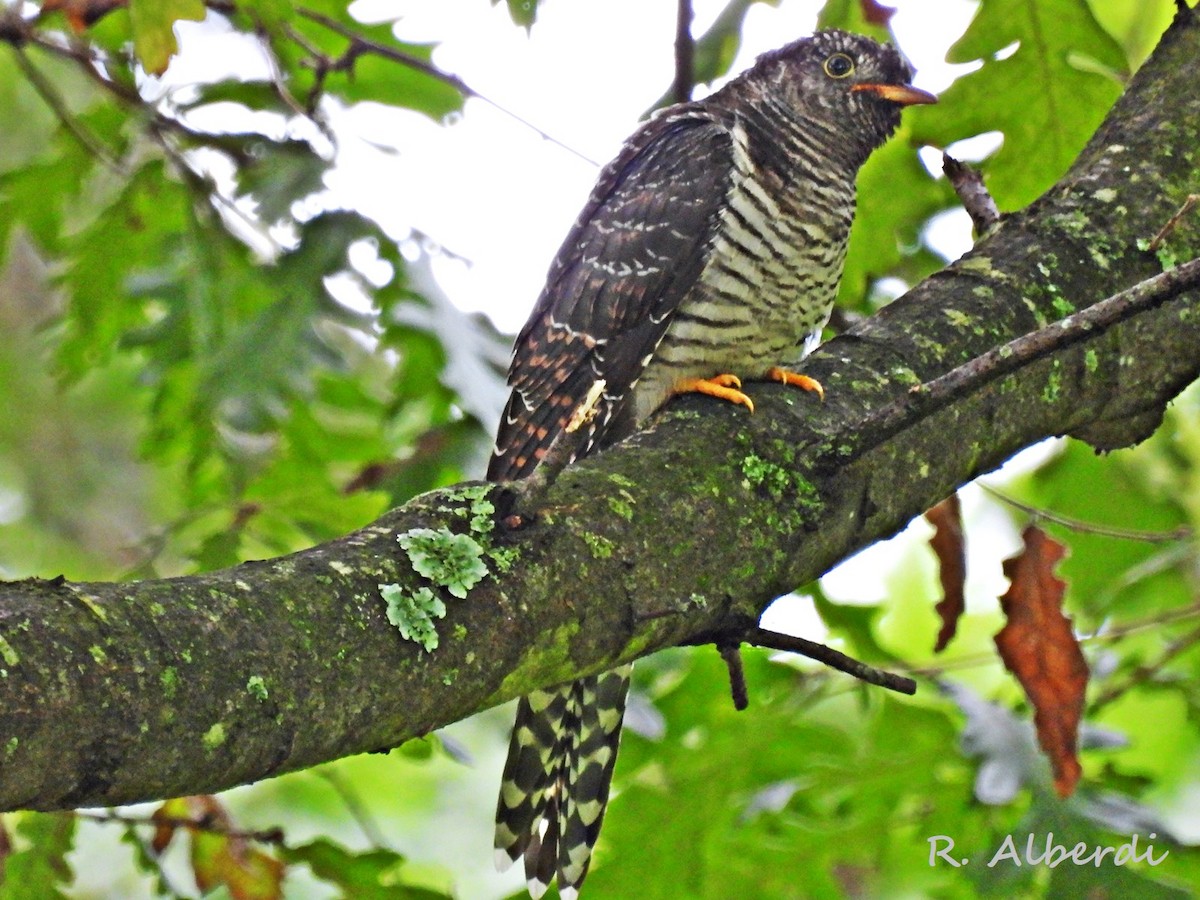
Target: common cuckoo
x: 710, y: 250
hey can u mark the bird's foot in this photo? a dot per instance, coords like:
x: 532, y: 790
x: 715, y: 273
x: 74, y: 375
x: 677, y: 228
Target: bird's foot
x: 778, y: 373
x: 723, y: 387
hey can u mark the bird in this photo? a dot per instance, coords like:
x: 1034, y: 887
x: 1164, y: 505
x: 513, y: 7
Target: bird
x: 710, y: 250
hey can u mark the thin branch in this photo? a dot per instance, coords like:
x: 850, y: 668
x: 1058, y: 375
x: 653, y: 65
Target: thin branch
x: 354, y: 805
x: 1000, y: 361
x: 972, y: 192
x: 1183, y: 532
x: 360, y: 45
x: 732, y: 655
x: 772, y: 640
x: 46, y: 90
x: 1145, y: 672
x: 685, y: 53
x: 268, y: 836
x: 1173, y: 222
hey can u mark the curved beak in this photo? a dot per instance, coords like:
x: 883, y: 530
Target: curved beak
x: 902, y: 94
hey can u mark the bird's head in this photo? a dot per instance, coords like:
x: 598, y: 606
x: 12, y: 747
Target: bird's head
x: 849, y: 82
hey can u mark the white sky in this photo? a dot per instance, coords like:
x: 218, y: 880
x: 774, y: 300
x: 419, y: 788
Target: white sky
x: 493, y: 192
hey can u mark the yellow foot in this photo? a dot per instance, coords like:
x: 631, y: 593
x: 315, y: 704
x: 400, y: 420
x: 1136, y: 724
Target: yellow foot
x: 778, y: 373
x: 723, y: 387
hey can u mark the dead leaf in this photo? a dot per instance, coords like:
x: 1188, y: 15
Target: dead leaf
x: 1040, y: 649
x: 220, y: 854
x: 80, y: 14
x: 947, y: 542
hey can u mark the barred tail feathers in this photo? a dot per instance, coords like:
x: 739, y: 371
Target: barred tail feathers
x: 557, y: 777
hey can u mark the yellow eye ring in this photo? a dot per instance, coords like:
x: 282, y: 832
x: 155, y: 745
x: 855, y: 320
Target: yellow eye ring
x: 839, y: 65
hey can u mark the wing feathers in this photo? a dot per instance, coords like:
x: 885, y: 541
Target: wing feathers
x: 635, y: 251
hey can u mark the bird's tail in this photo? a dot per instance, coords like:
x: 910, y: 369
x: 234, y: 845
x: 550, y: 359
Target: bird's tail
x: 555, y: 787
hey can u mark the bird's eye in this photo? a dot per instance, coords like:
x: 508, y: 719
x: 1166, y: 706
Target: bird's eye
x: 839, y: 65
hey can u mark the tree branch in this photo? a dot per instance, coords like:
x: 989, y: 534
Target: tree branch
x: 685, y: 53
x: 112, y: 693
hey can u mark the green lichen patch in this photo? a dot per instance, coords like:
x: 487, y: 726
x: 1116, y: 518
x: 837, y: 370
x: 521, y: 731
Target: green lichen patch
x: 214, y: 737
x: 1063, y: 306
x: 1053, y: 389
x: 475, y: 506
x: 600, y: 546
x: 622, y: 504
x: 504, y: 558
x: 958, y: 318
x: 1091, y: 361
x: 413, y: 614
x: 1166, y: 256
x: 549, y: 662
x: 9, y: 653
x: 256, y: 687
x: 92, y: 604
x: 169, y: 679
x: 763, y: 473
x: 453, y: 561
x: 98, y: 654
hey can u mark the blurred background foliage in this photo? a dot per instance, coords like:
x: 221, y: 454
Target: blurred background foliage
x: 207, y: 358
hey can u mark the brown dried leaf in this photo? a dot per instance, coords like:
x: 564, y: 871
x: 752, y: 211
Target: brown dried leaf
x: 81, y: 14
x: 166, y: 820
x: 1040, y: 649
x: 876, y: 13
x: 6, y: 846
x: 947, y: 543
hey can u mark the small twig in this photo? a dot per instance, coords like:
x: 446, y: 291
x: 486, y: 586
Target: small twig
x: 269, y: 836
x: 360, y: 45
x: 685, y: 54
x: 1173, y: 222
x: 1145, y: 672
x: 973, y: 193
x: 772, y: 640
x: 930, y: 396
x: 732, y: 654
x: 354, y: 805
x: 1183, y: 532
x: 46, y: 90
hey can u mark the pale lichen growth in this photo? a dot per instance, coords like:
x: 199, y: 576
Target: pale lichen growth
x: 453, y: 561
x: 214, y: 737
x: 256, y: 687
x: 413, y: 614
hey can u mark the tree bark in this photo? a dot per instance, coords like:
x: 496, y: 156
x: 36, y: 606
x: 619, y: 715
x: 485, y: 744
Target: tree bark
x: 112, y: 693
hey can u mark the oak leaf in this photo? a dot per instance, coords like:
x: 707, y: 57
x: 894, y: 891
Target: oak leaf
x: 947, y: 543
x: 1039, y: 647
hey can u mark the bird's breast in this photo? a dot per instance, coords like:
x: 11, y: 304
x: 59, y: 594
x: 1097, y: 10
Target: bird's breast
x: 767, y: 287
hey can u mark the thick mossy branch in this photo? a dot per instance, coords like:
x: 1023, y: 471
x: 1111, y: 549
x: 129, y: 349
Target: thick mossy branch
x: 111, y: 693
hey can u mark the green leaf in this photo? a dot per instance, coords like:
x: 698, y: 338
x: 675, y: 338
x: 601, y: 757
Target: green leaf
x: 805, y: 780
x: 522, y: 12
x: 42, y: 867
x: 371, y: 875
x: 153, y: 24
x: 1136, y: 24
x: 850, y: 15
x: 716, y: 49
x: 380, y: 80
x: 897, y: 197
x: 1050, y: 105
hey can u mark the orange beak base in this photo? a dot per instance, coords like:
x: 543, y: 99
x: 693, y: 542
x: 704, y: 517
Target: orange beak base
x: 902, y: 94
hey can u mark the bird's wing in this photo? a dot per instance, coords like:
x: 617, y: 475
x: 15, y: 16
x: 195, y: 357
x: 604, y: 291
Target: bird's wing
x: 633, y: 254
